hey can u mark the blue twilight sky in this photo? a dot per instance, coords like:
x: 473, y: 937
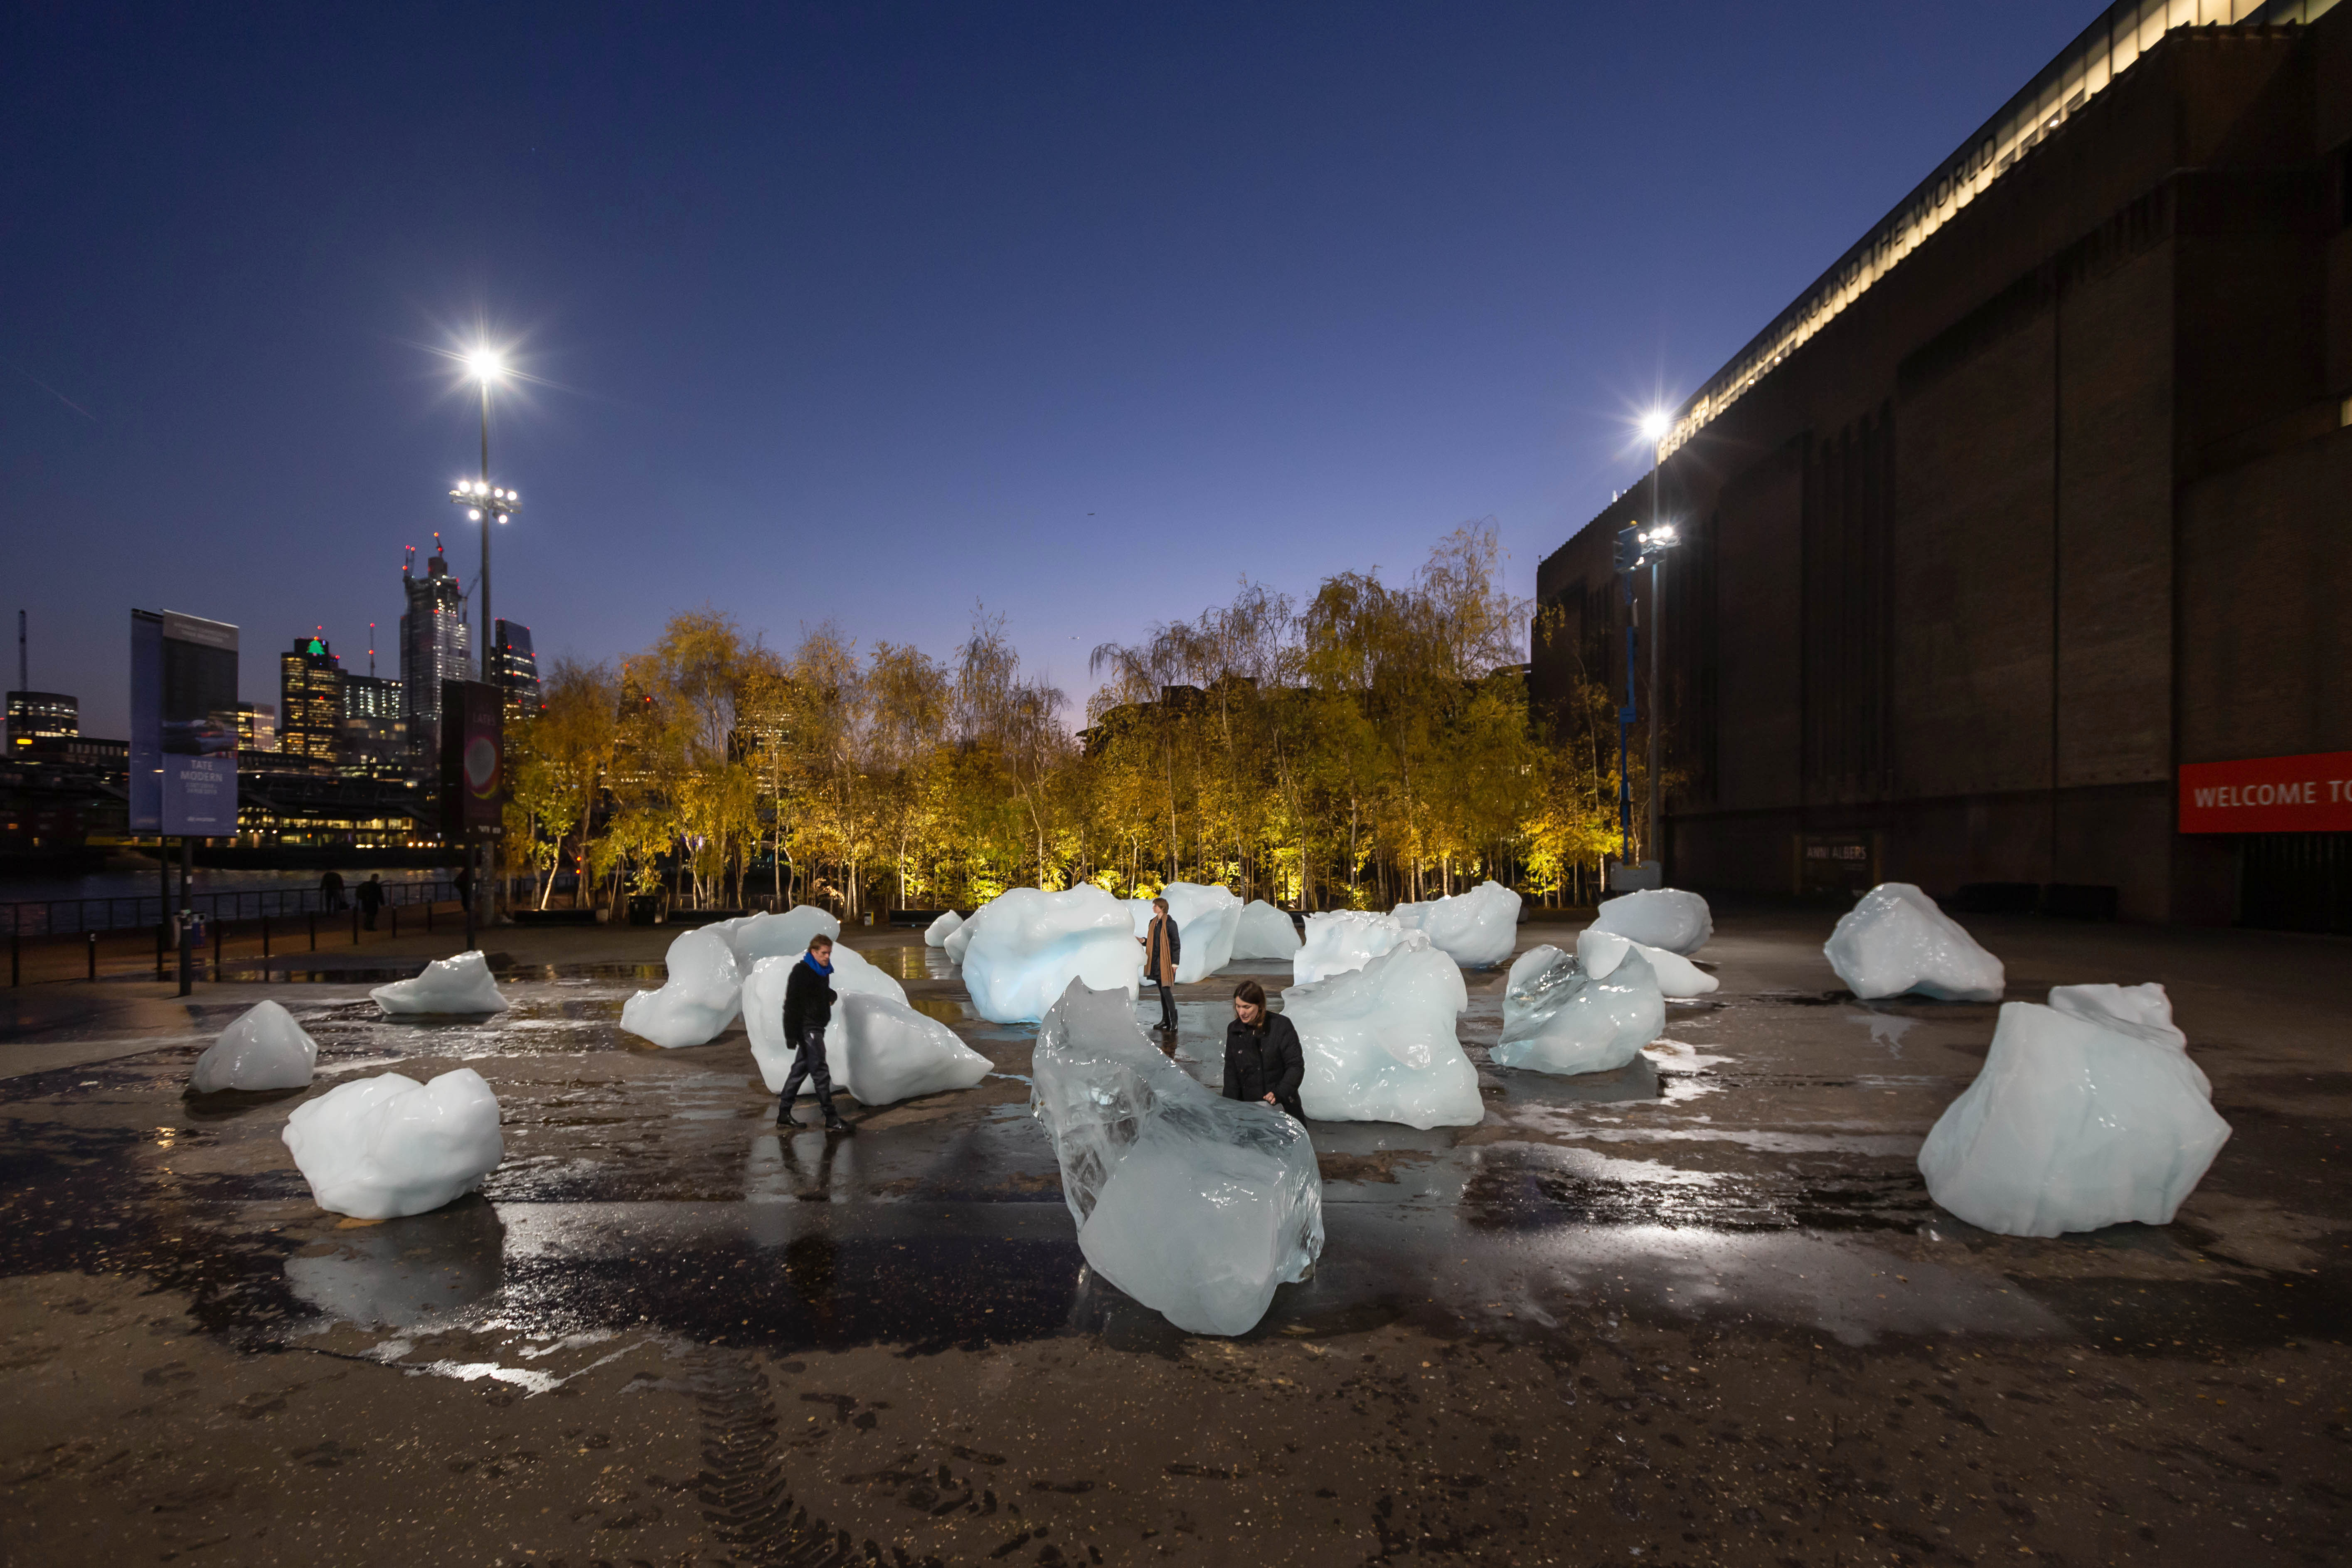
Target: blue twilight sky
x: 875, y: 311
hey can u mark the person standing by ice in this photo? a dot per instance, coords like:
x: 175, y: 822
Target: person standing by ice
x: 331, y: 891
x: 1263, y: 1058
x: 808, y: 1008
x: 1162, y: 948
x: 370, y: 898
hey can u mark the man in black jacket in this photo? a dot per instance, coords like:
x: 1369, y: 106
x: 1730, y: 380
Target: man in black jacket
x: 1262, y: 1057
x: 1163, y: 949
x: 808, y: 1008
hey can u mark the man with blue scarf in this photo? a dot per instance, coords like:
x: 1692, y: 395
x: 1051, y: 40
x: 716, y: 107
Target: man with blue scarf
x: 808, y: 1008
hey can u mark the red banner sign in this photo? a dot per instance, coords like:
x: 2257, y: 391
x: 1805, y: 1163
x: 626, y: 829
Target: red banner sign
x: 2268, y: 794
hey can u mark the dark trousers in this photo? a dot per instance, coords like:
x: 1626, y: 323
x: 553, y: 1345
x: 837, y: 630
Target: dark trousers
x: 1167, y: 1005
x: 809, y: 1064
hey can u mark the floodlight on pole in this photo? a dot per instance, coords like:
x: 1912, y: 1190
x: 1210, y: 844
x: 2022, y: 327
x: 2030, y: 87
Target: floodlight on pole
x: 489, y: 506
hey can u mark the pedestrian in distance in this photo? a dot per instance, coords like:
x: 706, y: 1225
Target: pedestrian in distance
x: 331, y: 891
x: 371, y: 897
x: 808, y: 1008
x: 1162, y: 950
x: 1264, y: 1061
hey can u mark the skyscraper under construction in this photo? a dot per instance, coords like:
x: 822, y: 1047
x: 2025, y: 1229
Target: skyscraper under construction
x: 434, y: 648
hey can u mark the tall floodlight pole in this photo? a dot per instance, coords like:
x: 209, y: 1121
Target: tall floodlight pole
x: 489, y: 505
x: 1651, y: 841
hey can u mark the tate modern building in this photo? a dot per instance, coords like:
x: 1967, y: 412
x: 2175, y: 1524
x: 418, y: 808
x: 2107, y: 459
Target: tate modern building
x: 2015, y: 556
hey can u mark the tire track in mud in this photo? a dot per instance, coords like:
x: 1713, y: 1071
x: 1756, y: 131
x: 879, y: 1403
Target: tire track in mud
x: 745, y: 1498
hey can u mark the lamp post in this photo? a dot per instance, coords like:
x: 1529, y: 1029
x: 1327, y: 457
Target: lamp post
x: 489, y: 505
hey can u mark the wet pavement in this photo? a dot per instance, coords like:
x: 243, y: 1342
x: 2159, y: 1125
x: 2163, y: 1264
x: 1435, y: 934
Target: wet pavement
x: 1700, y: 1309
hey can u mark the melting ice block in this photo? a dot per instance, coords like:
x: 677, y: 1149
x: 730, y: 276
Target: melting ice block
x: 1027, y: 945
x: 1477, y: 929
x: 2086, y: 1112
x: 378, y: 1148
x: 754, y: 937
x: 1590, y: 1013
x: 1659, y: 916
x: 936, y: 934
x: 698, y: 1001
x: 1194, y: 1204
x: 1340, y: 940
x: 1265, y: 933
x: 1380, y: 1044
x: 1676, y: 976
x: 881, y: 1050
x: 459, y: 985
x: 1206, y: 919
x: 1895, y: 940
x: 265, y: 1048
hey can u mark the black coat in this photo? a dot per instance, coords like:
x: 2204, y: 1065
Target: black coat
x: 1257, y: 1064
x: 808, y: 1001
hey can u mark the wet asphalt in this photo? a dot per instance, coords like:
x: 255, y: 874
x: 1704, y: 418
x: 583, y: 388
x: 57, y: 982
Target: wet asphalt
x: 1701, y: 1310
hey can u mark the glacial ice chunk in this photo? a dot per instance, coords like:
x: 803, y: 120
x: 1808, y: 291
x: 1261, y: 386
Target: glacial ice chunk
x: 1677, y: 975
x: 1340, y: 940
x: 879, y: 1049
x: 2087, y: 1112
x: 1477, y: 929
x: 1670, y: 917
x: 1206, y: 917
x: 1265, y: 933
x: 459, y: 985
x: 754, y: 937
x: 265, y: 1048
x: 936, y: 934
x: 1380, y: 1042
x: 381, y: 1147
x: 1590, y: 1013
x: 1194, y: 1204
x: 1027, y: 945
x: 1894, y: 939
x: 698, y: 999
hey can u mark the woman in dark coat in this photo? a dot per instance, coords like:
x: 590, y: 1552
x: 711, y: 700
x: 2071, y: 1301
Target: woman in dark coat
x: 1263, y: 1058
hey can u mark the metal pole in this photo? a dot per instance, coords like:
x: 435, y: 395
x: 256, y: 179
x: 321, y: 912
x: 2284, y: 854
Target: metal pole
x: 489, y: 517
x: 1652, y: 845
x: 1625, y: 719
x: 187, y: 932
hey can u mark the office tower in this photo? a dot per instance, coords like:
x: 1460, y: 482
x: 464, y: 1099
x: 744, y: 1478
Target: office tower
x: 310, y: 701
x: 257, y: 726
x: 44, y: 716
x: 375, y: 732
x: 515, y: 671
x: 432, y: 649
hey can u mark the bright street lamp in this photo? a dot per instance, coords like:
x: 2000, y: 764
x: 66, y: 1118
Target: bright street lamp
x: 1637, y: 546
x: 489, y: 505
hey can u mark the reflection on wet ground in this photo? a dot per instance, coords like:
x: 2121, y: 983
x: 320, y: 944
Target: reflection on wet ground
x: 650, y: 1189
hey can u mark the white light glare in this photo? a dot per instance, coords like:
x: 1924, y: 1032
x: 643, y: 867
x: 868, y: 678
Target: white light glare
x: 1657, y: 423
x: 486, y: 364
x: 473, y: 514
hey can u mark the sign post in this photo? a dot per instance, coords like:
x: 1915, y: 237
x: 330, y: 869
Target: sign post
x: 473, y: 780
x: 182, y: 741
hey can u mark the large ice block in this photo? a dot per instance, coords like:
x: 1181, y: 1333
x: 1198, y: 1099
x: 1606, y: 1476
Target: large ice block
x: 1340, y: 940
x: 698, y: 1001
x: 881, y: 1050
x: 2087, y: 1112
x: 936, y: 934
x: 1670, y: 917
x: 1265, y: 933
x: 1380, y: 1042
x: 1028, y: 946
x: 1894, y: 939
x: 1194, y: 1204
x: 959, y: 939
x: 1677, y: 976
x: 378, y: 1148
x: 1590, y: 1013
x: 265, y: 1048
x: 1477, y: 929
x: 754, y: 937
x: 459, y: 985
x: 1206, y: 917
